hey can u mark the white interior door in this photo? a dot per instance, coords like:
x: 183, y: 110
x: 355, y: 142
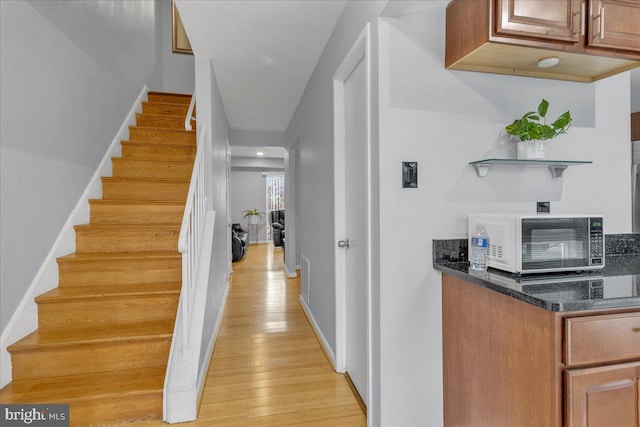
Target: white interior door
x: 356, y: 228
x: 352, y: 188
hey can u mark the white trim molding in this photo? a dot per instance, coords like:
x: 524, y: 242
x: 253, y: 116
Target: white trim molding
x: 290, y: 274
x: 25, y: 319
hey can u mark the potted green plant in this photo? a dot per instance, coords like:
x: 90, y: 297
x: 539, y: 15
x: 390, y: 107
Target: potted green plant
x: 533, y: 130
x: 254, y: 215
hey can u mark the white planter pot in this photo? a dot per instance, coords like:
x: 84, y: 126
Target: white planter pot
x: 531, y: 150
x: 254, y: 219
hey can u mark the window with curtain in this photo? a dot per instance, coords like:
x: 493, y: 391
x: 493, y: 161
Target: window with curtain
x: 275, y: 197
x: 275, y: 192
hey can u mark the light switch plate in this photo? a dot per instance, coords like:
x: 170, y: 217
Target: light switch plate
x: 543, y: 207
x: 409, y: 174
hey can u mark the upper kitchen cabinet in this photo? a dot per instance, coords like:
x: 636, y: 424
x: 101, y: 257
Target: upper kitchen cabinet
x: 614, y: 24
x: 591, y: 39
x: 549, y: 20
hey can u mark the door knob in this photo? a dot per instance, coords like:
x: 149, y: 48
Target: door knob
x: 343, y: 243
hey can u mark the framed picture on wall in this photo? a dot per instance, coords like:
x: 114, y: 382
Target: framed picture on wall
x: 180, y: 41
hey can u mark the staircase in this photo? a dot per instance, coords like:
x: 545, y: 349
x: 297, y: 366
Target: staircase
x: 104, y: 334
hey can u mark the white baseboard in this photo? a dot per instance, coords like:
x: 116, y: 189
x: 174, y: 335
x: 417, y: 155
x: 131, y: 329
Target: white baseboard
x: 323, y: 341
x: 290, y: 274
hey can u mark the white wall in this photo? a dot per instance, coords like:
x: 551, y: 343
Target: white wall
x: 69, y: 73
x: 178, y: 74
x: 257, y: 138
x: 248, y: 191
x: 292, y: 250
x: 443, y: 120
x: 211, y: 111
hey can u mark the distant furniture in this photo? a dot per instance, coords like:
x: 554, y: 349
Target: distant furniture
x: 238, y: 242
x: 277, y: 228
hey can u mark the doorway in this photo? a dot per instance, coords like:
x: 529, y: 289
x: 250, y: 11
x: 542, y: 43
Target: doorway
x: 352, y: 189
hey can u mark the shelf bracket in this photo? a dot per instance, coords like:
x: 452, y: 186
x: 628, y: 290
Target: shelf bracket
x: 556, y: 170
x: 482, y: 169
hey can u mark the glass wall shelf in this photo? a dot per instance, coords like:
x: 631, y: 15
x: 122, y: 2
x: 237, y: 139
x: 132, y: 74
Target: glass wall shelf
x: 555, y: 166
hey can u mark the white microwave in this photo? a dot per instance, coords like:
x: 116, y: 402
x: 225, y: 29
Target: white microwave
x: 542, y: 243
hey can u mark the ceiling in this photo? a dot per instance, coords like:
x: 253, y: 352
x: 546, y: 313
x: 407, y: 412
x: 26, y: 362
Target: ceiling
x: 263, y: 52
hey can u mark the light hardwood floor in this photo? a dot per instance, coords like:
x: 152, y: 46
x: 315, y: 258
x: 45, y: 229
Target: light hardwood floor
x: 268, y: 368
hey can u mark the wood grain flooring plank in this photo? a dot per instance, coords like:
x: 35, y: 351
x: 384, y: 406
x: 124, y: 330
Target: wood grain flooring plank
x: 268, y: 368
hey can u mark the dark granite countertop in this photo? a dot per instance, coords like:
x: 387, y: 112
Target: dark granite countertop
x: 615, y: 286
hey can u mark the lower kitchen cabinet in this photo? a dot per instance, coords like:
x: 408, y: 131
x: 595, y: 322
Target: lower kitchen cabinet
x: 510, y: 363
x: 603, y: 396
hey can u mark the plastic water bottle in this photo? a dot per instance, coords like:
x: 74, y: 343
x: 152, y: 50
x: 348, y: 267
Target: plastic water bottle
x: 479, y: 249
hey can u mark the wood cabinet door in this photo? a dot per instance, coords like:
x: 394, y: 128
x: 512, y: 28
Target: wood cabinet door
x: 544, y: 19
x: 614, y: 24
x: 603, y: 397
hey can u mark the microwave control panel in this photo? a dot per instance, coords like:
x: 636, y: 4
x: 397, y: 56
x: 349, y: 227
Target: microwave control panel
x: 596, y: 240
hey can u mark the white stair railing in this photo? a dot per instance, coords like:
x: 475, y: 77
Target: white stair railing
x: 190, y: 240
x: 189, y: 117
x: 183, y: 380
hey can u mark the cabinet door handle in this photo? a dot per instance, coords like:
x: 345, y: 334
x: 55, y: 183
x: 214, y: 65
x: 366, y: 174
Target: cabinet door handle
x: 599, y: 35
x: 583, y: 21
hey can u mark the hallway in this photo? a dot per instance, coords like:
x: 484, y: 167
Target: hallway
x: 268, y: 368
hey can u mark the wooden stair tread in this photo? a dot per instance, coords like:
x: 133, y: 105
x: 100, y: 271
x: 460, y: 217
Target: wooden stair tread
x: 160, y: 92
x: 51, y: 338
x: 149, y: 161
x: 148, y: 149
x: 101, y: 256
x: 135, y: 202
x: 157, y: 144
x: 143, y: 227
x: 103, y: 291
x: 87, y: 387
x: 166, y: 103
x: 122, y: 211
x: 182, y: 98
x: 161, y: 129
x: 164, y: 116
x: 148, y: 180
x: 171, y: 108
x: 162, y: 120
